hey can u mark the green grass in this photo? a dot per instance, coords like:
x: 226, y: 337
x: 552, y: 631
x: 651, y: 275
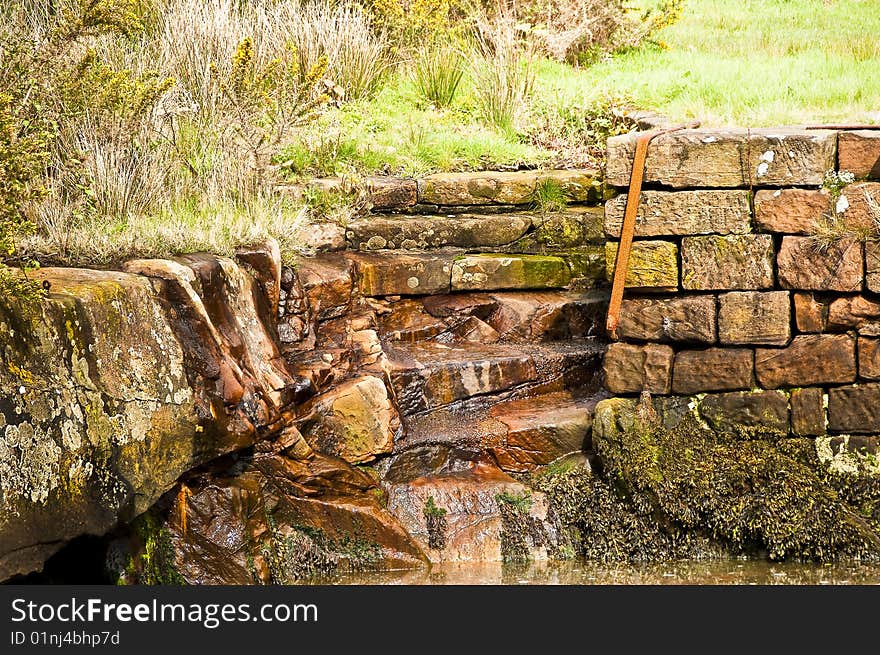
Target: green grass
x: 756, y: 62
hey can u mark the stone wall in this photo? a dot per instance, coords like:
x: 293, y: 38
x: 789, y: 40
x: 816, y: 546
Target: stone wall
x: 754, y: 277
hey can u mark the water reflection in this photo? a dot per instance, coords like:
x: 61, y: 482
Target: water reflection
x: 711, y: 572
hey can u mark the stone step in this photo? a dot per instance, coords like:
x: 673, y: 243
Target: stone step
x: 527, y: 232
x: 392, y: 273
x: 508, y: 316
x: 518, y: 433
x: 428, y: 375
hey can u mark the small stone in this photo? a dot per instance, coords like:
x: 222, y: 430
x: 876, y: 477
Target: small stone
x: 811, y: 359
x: 791, y: 211
x: 731, y: 262
x: 804, y: 265
x: 807, y: 412
x: 687, y: 318
x: 811, y: 315
x: 653, y: 265
x: 663, y: 213
x: 859, y: 153
x: 753, y: 317
x: 713, y: 369
x: 632, y: 369
x: 854, y: 409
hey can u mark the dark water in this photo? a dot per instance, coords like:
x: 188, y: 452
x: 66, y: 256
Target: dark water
x: 714, y: 572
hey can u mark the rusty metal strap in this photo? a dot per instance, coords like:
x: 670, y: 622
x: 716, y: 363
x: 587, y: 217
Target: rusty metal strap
x: 633, y: 197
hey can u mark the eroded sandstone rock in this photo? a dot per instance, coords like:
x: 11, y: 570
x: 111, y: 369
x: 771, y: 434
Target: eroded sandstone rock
x: 803, y: 264
x: 653, y: 265
x: 859, y: 153
x: 664, y: 213
x: 687, y: 318
x: 811, y: 359
x: 737, y: 262
x: 713, y: 369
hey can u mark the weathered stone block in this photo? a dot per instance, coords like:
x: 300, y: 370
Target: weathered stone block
x: 872, y: 266
x: 494, y: 271
x: 569, y: 228
x: 392, y: 192
x: 421, y: 232
x: 587, y: 264
x: 811, y: 315
x: 652, y: 265
x: 807, y: 412
x: 713, y: 369
x: 804, y: 265
x: 791, y: 211
x: 727, y: 158
x: 869, y: 358
x: 854, y: 409
x: 731, y: 411
x: 753, y: 317
x: 632, y: 369
x: 504, y: 188
x: 689, y: 318
x: 811, y: 359
x: 731, y: 262
x: 859, y: 153
x: 859, y: 206
x: 396, y: 274
x: 855, y: 312
x: 664, y: 213
x: 326, y: 283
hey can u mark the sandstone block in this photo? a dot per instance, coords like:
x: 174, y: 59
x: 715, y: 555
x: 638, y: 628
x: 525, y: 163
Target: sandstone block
x: 811, y: 315
x: 854, y: 409
x: 729, y: 411
x: 856, y: 312
x: 494, y: 271
x: 663, y: 213
x: 731, y: 262
x: 791, y: 211
x: 859, y: 153
x: 872, y: 266
x: 811, y: 359
x: 392, y: 192
x: 807, y: 412
x: 869, y: 358
x: 652, y: 265
x: 727, y: 158
x: 803, y: 265
x: 421, y: 232
x: 394, y: 274
x: 688, y: 318
x: 713, y: 369
x: 753, y: 317
x: 504, y: 188
x: 859, y: 206
x: 632, y: 369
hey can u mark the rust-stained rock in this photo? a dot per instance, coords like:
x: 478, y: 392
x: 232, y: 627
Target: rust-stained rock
x: 272, y: 521
x: 541, y: 429
x: 859, y: 153
x: 737, y: 262
x: 854, y: 408
x: 425, y: 232
x: 754, y: 317
x: 472, y: 525
x: 480, y: 305
x: 630, y: 368
x: 803, y: 264
x: 665, y: 213
x: 653, y: 265
x: 872, y: 266
x: 738, y: 409
x: 869, y: 358
x: 811, y: 359
x: 807, y: 412
x: 392, y: 192
x: 547, y: 315
x: 727, y: 158
x: 321, y: 237
x: 683, y: 318
x: 428, y: 375
x: 398, y: 274
x: 327, y: 284
x: 857, y: 312
x: 263, y: 261
x: 811, y: 315
x: 354, y: 420
x: 497, y: 271
x: 791, y: 211
x: 713, y: 369
x: 504, y: 188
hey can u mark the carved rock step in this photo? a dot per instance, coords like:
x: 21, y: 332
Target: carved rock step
x: 515, y: 231
x: 514, y: 316
x: 429, y: 375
